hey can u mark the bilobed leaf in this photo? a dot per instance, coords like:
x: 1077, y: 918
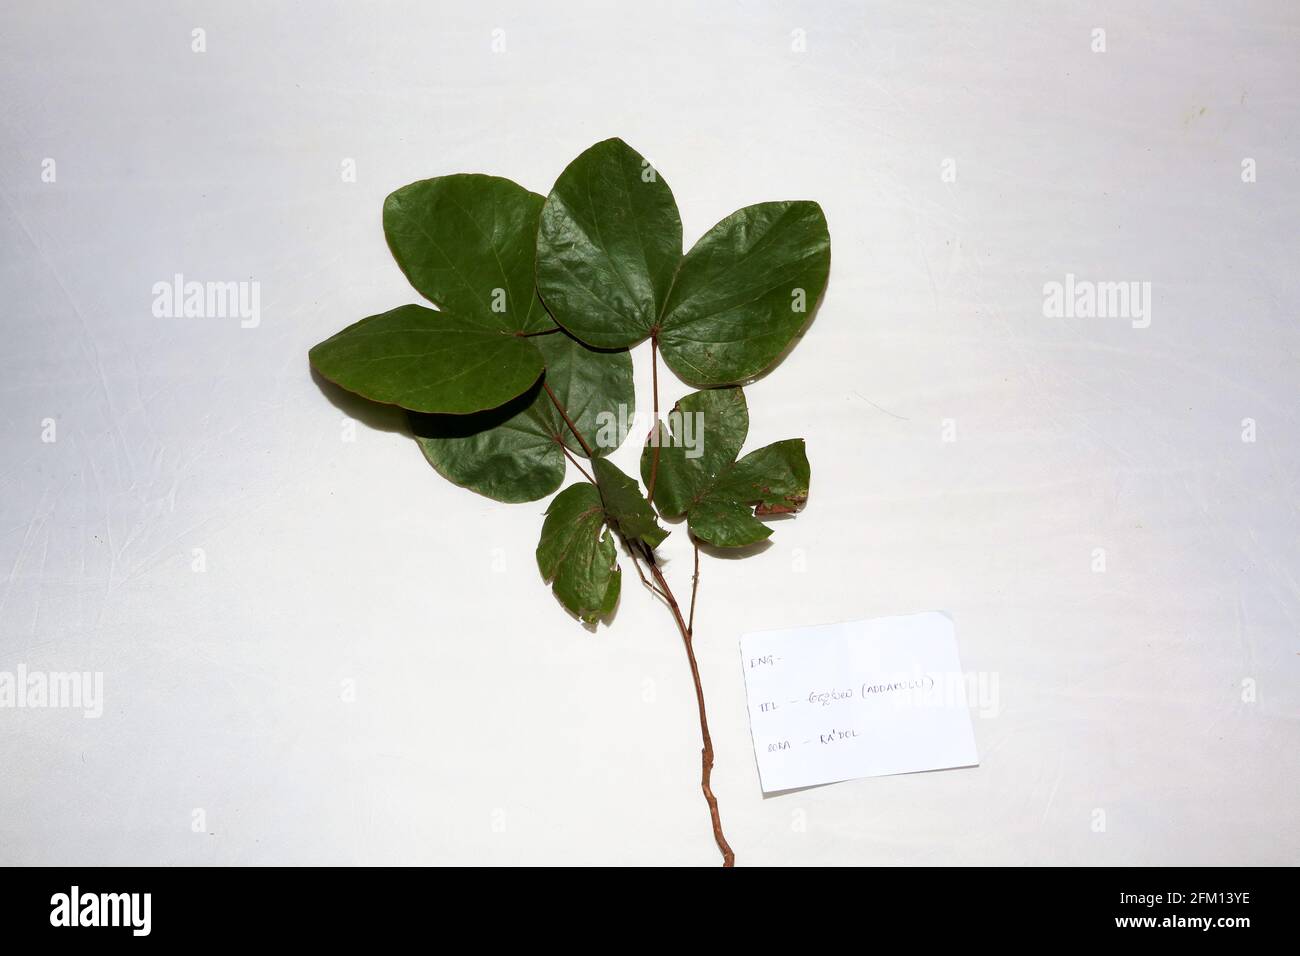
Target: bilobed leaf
x: 512, y: 453
x: 577, y: 554
x: 625, y: 506
x: 697, y: 474
x: 468, y: 243
x: 608, y: 244
x: 708, y: 430
x: 428, y: 361
x: 611, y: 271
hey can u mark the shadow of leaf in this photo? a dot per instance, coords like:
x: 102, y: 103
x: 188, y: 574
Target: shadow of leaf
x: 425, y: 425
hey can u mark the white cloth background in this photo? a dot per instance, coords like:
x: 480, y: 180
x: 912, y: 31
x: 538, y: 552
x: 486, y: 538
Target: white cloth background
x: 487, y: 726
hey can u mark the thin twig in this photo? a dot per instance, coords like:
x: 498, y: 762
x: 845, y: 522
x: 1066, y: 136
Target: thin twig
x: 695, y: 587
x: 569, y: 455
x: 636, y: 563
x: 567, y: 420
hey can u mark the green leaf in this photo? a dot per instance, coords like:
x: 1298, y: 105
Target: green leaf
x: 610, y: 269
x: 744, y: 291
x: 708, y: 431
x: 512, y: 453
x: 625, y: 506
x: 595, y: 388
x: 577, y: 554
x: 697, y: 474
x: 428, y: 361
x: 608, y: 244
x: 508, y: 454
x: 468, y: 243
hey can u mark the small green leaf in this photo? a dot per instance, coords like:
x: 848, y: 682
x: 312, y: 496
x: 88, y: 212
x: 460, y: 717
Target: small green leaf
x: 512, y: 453
x: 611, y: 271
x: 708, y: 431
x: 608, y: 244
x: 428, y: 361
x: 697, y: 474
x: 625, y: 506
x: 468, y: 243
x: 577, y: 554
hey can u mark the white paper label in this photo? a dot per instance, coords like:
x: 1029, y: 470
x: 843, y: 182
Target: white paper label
x: 859, y: 699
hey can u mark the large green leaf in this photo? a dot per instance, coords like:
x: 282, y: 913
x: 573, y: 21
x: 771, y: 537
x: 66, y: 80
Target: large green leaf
x: 744, y: 291
x: 468, y: 243
x: 512, y: 453
x: 697, y: 474
x: 611, y: 271
x: 609, y: 242
x: 577, y: 553
x: 429, y: 361
x: 625, y: 506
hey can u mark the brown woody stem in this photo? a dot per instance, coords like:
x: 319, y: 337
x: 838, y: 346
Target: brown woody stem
x: 665, y: 592
x: 706, y: 754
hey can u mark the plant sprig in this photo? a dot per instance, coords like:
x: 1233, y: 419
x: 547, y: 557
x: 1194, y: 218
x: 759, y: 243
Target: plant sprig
x: 511, y: 377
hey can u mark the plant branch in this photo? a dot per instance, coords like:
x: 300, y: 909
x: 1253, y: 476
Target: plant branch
x: 666, y: 592
x: 706, y: 754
